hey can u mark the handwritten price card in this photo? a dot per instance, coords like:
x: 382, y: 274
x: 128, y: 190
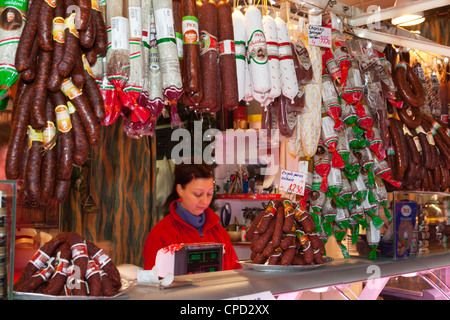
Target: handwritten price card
x: 292, y: 182
x: 319, y: 36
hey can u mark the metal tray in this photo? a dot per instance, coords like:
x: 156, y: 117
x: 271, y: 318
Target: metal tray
x: 126, y: 286
x: 281, y: 268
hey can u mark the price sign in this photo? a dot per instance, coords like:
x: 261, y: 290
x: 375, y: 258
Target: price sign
x: 319, y: 36
x: 292, y: 182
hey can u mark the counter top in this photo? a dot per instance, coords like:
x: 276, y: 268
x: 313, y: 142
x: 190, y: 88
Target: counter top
x: 234, y: 283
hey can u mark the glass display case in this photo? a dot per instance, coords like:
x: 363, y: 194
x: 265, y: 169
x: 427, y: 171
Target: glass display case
x: 8, y: 198
x: 419, y: 227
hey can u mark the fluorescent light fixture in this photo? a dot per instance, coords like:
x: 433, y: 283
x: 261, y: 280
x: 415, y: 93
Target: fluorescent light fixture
x: 400, y: 41
x: 398, y: 10
x: 408, y: 20
x: 409, y: 275
x: 319, y: 290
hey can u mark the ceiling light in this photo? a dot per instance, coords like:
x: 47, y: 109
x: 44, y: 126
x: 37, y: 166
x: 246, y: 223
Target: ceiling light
x: 407, y: 19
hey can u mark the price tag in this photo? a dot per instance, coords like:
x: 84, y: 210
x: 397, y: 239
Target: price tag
x: 319, y: 36
x: 292, y: 182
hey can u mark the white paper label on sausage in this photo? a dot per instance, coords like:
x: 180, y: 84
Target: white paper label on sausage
x: 257, y: 47
x: 135, y: 22
x: 119, y: 34
x: 164, y: 25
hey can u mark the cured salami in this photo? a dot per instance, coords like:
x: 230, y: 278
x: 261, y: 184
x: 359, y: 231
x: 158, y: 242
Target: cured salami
x: 271, y: 33
x: 240, y: 48
x: 258, y: 60
x: 289, y: 83
x: 227, y: 56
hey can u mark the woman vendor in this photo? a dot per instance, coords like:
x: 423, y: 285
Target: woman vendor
x: 190, y: 219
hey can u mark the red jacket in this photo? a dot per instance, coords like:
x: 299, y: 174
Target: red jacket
x: 172, y: 229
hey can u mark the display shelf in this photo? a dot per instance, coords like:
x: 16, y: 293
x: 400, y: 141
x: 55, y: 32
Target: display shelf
x: 234, y: 283
x: 248, y: 196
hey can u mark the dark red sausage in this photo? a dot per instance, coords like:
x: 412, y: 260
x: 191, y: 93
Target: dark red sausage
x: 81, y: 104
x: 91, y: 55
x: 409, y: 86
x: 78, y: 77
x: 62, y: 188
x: 18, y: 138
x: 85, y: 13
x: 94, y: 95
x: 101, y: 37
x: 81, y: 143
x: 400, y: 149
x: 71, y: 42
x: 40, y: 90
x: 207, y: 20
x: 33, y: 168
x: 78, y: 247
x: 278, y: 232
x: 22, y: 59
x: 58, y: 280
x: 411, y: 121
x: 30, y: 72
x: 93, y: 279
x: 55, y: 80
x: 227, y: 61
x: 104, y: 262
x: 191, y: 54
x: 87, y: 37
x: 45, y: 26
x: 65, y: 141
x: 49, y: 157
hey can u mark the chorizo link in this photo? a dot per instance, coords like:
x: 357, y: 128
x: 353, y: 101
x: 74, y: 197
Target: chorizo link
x: 49, y: 158
x: 400, y: 157
x: 227, y: 58
x: 207, y: 19
x: 101, y: 37
x: 22, y: 59
x: 191, y: 49
x: 93, y: 279
x: 45, y: 27
x: 55, y: 80
x: 411, y: 121
x: 79, y: 251
x: 34, y: 161
x: 253, y: 226
x: 412, y: 149
x: 264, y: 238
x: 93, y: 93
x: 40, y: 90
x: 85, y: 7
x: 56, y: 283
x: 81, y: 143
x: 71, y: 42
x: 104, y: 262
x: 81, y: 104
x: 29, y: 74
x: 278, y: 232
x: 78, y: 77
x: 87, y: 37
x: 438, y: 143
x: 426, y: 152
x: 18, y: 136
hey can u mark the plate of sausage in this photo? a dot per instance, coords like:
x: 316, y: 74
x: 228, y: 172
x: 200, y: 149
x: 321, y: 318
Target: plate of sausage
x: 282, y: 268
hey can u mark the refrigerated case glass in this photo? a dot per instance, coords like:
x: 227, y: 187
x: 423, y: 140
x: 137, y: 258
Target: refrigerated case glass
x: 8, y: 197
x: 420, y: 226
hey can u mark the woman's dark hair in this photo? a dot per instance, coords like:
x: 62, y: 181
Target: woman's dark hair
x: 185, y: 173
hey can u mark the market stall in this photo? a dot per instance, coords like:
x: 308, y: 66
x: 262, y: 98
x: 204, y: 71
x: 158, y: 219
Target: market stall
x: 347, y: 124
